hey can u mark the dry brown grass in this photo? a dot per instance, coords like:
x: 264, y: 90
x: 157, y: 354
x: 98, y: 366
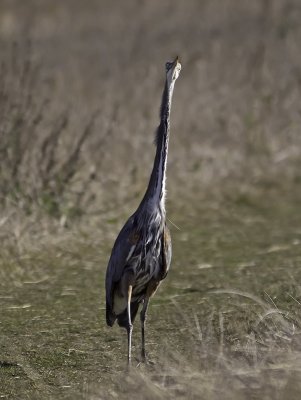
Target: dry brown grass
x: 236, y: 116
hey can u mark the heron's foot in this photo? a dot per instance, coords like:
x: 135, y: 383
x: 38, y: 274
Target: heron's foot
x: 145, y: 360
x: 146, y: 364
x: 128, y: 367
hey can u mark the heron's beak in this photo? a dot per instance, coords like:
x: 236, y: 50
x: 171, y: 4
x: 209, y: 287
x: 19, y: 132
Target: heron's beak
x: 176, y: 61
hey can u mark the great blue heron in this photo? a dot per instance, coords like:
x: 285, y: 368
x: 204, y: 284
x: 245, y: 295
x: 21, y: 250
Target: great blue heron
x: 141, y: 255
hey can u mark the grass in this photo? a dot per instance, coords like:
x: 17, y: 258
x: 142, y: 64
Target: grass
x: 79, y: 103
x: 225, y: 322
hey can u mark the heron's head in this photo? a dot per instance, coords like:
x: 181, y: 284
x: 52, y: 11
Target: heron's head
x: 173, y: 70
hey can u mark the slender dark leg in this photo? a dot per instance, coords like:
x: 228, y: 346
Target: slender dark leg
x: 130, y: 326
x: 142, y: 319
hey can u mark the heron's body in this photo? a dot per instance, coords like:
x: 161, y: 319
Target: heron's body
x: 146, y: 262
x: 141, y: 254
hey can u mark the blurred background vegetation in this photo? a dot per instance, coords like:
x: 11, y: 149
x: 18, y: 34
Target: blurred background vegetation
x: 80, y: 89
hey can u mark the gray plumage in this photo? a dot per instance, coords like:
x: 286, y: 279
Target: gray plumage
x: 141, y: 255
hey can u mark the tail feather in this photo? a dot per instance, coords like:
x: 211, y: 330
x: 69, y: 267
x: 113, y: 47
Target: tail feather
x: 110, y: 316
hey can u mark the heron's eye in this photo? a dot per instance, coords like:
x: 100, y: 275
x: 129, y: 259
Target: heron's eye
x: 168, y: 66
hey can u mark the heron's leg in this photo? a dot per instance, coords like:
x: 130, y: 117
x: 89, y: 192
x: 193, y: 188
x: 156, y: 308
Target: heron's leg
x: 129, y: 326
x: 142, y: 319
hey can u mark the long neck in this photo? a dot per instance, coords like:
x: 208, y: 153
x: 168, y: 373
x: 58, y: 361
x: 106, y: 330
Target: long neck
x: 156, y: 188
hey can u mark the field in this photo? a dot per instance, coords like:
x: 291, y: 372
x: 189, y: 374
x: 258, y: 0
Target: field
x: 80, y: 89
